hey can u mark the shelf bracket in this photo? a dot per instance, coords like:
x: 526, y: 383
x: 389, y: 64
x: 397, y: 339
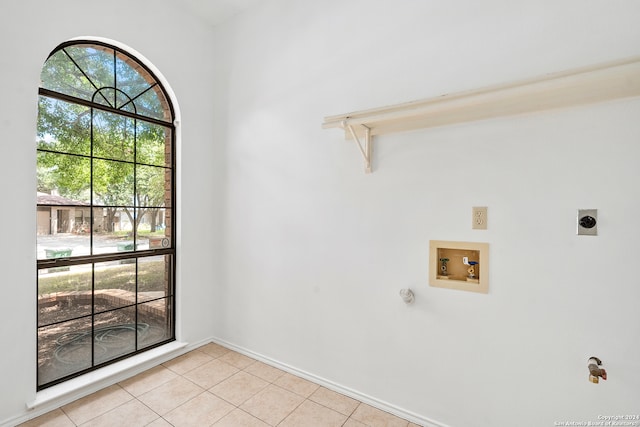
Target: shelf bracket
x: 367, y: 149
x: 593, y: 84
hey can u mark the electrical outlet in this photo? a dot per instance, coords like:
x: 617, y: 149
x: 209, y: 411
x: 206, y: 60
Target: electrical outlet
x: 587, y: 222
x: 479, y: 217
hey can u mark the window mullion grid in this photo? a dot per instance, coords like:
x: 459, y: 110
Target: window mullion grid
x: 72, y: 99
x: 115, y: 82
x: 91, y: 201
x: 135, y: 223
x: 135, y: 186
x: 93, y: 314
x: 92, y: 230
x: 173, y: 233
x: 93, y: 258
x: 136, y: 307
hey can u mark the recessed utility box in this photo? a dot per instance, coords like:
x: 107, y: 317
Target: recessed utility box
x: 459, y: 265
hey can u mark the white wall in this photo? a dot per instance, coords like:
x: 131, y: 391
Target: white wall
x: 316, y: 251
x: 178, y: 45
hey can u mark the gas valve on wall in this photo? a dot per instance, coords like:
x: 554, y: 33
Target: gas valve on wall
x: 596, y: 371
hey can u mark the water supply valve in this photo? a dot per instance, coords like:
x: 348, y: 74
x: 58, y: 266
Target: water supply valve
x: 472, y: 267
x: 596, y: 371
x: 443, y: 266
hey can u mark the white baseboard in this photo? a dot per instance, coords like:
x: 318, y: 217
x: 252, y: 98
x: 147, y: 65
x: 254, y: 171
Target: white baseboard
x: 369, y: 400
x: 69, y: 391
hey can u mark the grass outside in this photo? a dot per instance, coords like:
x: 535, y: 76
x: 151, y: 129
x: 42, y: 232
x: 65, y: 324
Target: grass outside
x: 128, y: 234
x: 151, y: 277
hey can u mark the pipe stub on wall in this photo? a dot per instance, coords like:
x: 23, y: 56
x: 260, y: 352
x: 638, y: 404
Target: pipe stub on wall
x: 407, y: 296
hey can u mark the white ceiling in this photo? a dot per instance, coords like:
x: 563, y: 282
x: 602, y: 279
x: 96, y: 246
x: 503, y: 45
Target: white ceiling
x: 215, y: 12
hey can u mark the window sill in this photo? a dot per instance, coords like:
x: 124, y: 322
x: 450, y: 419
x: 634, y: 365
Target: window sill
x: 91, y: 382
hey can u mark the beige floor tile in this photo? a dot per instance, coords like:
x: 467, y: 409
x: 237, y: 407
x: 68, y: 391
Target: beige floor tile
x: 217, y: 386
x: 96, y: 404
x: 170, y: 395
x: 272, y: 404
x: 214, y: 350
x: 211, y: 373
x: 311, y: 414
x: 239, y: 418
x: 55, y: 418
x: 376, y: 418
x: 239, y: 387
x: 336, y: 401
x: 353, y: 423
x: 148, y: 380
x: 297, y: 385
x: 130, y: 414
x: 264, y: 371
x: 203, y: 410
x: 160, y: 422
x: 183, y: 364
x: 238, y: 360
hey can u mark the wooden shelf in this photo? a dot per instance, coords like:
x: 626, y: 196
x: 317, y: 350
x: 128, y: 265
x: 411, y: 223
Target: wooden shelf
x: 588, y: 85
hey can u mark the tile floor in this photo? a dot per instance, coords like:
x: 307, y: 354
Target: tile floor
x: 214, y: 386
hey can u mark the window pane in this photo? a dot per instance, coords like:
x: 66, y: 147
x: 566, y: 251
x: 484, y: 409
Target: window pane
x: 153, y: 104
x: 115, y: 284
x: 63, y: 127
x: 115, y: 334
x: 63, y: 349
x: 63, y: 231
x: 64, y: 293
x: 153, y: 228
x: 114, y: 232
x: 131, y: 78
x: 112, y: 183
x: 61, y: 75
x: 113, y: 136
x: 154, y: 277
x: 64, y: 176
x: 153, y: 186
x: 97, y: 64
x: 125, y: 103
x: 153, y: 144
x: 158, y: 315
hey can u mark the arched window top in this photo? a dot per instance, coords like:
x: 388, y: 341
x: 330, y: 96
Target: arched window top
x: 104, y: 75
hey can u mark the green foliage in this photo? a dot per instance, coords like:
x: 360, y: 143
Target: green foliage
x: 84, y: 150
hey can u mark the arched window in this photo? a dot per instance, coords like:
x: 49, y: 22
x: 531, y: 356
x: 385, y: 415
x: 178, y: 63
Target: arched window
x: 105, y: 210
